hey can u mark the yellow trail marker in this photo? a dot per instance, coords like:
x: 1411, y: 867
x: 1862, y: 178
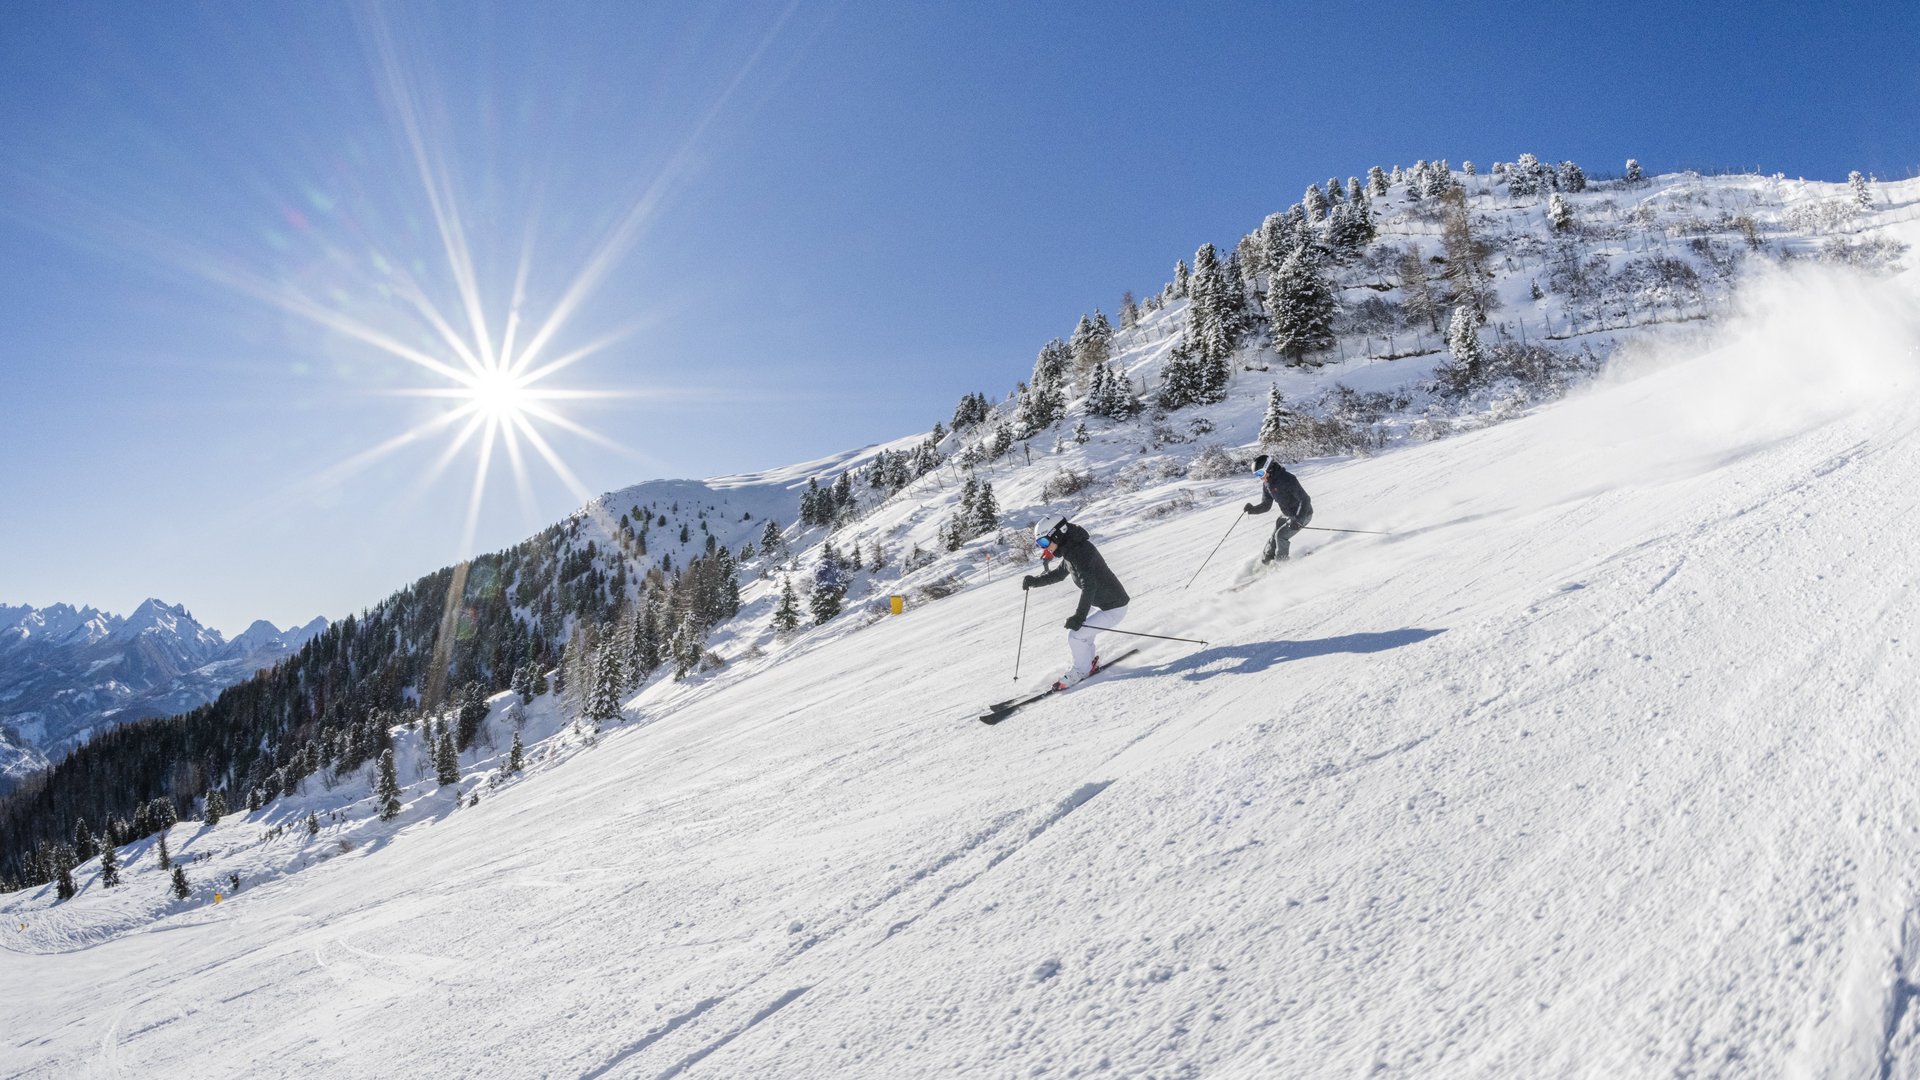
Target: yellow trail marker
x: 898, y: 603
x: 216, y: 898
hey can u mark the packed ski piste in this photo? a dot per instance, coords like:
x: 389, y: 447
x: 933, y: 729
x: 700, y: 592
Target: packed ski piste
x: 1555, y: 717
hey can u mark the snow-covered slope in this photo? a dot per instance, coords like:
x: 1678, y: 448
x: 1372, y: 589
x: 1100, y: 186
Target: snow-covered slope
x: 67, y: 673
x: 1600, y: 764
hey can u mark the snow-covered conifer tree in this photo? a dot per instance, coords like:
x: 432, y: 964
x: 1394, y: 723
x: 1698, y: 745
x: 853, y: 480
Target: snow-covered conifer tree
x: 109, y: 867
x: 1467, y: 168
x: 1559, y: 212
x: 1862, y: 198
x: 1572, y: 178
x: 180, y: 888
x: 313, y: 824
x: 1376, y: 181
x: 216, y: 807
x: 1300, y: 307
x: 446, y: 761
x: 786, y: 616
x: 516, y: 757
x: 1181, y: 278
x: 386, y: 788
x: 1634, y: 175
x: 84, y: 847
x: 1463, y: 341
x: 604, y: 702
x: 986, y: 512
x: 1315, y: 203
x: 829, y: 586
x: 1273, y: 425
x: 166, y: 857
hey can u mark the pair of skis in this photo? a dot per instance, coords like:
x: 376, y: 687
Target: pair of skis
x: 1001, y: 710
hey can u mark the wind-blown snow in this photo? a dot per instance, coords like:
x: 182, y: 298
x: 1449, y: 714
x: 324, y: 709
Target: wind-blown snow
x: 1602, y: 764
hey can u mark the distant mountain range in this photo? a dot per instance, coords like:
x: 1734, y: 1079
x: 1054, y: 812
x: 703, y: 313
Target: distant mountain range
x: 66, y: 673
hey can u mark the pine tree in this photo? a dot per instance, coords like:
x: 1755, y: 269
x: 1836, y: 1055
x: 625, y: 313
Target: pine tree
x: 84, y: 847
x: 1463, y: 341
x: 387, y: 789
x: 166, y: 857
x: 1335, y: 193
x: 516, y: 757
x: 1181, y: 278
x: 604, y: 702
x: 1315, y: 203
x: 1559, y: 213
x: 1862, y: 198
x: 523, y: 682
x: 1572, y: 179
x: 986, y: 512
x: 1273, y: 426
x: 446, y: 761
x: 1300, y: 308
x: 1467, y: 168
x: 216, y: 808
x: 180, y: 889
x: 313, y: 824
x: 1376, y: 181
x: 1129, y: 311
x: 109, y: 867
x: 64, y: 887
x: 829, y: 586
x: 787, y: 615
x: 770, y: 537
x: 1527, y: 178
x: 1634, y: 175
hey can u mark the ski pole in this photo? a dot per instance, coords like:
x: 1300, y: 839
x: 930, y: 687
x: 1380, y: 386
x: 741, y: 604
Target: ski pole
x: 1369, y: 532
x: 1216, y: 549
x: 1025, y: 596
x: 1136, y: 633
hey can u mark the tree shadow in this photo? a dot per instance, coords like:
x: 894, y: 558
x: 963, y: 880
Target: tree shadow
x: 1258, y: 656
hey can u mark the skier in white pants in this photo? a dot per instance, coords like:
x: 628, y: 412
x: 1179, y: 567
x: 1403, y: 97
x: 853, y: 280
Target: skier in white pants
x: 1103, y: 602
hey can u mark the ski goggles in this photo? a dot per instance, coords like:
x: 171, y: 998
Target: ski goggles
x: 1043, y: 542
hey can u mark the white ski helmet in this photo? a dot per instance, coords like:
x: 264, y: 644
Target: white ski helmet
x: 1048, y: 525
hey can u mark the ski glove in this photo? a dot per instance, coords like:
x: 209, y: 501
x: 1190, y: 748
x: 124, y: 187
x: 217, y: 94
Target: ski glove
x: 1074, y: 621
x: 1028, y: 582
x: 1249, y: 509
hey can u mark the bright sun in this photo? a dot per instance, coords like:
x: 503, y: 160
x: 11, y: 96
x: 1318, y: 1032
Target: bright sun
x: 500, y: 395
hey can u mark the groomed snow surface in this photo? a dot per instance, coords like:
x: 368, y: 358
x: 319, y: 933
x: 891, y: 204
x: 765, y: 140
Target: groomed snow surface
x: 1605, y: 763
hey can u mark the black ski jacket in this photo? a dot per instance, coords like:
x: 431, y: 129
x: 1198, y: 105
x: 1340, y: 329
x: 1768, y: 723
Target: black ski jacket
x: 1098, y: 587
x: 1282, y: 487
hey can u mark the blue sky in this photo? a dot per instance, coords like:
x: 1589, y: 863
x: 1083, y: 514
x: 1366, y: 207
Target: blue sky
x: 856, y: 213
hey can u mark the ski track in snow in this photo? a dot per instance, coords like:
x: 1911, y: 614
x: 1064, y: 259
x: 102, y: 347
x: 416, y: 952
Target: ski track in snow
x: 1602, y: 767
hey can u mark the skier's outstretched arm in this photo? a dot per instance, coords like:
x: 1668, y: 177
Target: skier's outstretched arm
x: 1266, y: 502
x: 1051, y: 577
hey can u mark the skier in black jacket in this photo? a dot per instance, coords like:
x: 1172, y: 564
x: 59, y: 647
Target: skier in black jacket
x: 1103, y: 602
x: 1278, y: 487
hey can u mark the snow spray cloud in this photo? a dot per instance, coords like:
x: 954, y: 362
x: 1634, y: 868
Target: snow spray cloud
x: 1805, y: 345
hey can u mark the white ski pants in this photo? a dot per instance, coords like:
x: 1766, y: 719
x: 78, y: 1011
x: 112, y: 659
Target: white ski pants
x: 1080, y: 641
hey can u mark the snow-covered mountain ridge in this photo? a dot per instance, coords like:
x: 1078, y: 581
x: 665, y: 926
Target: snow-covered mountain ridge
x: 67, y: 673
x: 1598, y: 764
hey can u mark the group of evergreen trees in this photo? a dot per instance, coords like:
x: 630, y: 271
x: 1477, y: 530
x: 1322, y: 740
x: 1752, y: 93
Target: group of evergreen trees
x: 977, y: 515
x: 460, y: 633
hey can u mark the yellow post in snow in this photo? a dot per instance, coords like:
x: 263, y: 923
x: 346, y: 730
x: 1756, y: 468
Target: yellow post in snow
x: 216, y: 898
x: 897, y: 603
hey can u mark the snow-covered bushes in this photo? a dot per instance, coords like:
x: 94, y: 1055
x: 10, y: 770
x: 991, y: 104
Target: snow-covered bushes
x: 1064, y: 483
x: 1543, y: 373
x: 1212, y: 463
x: 1878, y: 254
